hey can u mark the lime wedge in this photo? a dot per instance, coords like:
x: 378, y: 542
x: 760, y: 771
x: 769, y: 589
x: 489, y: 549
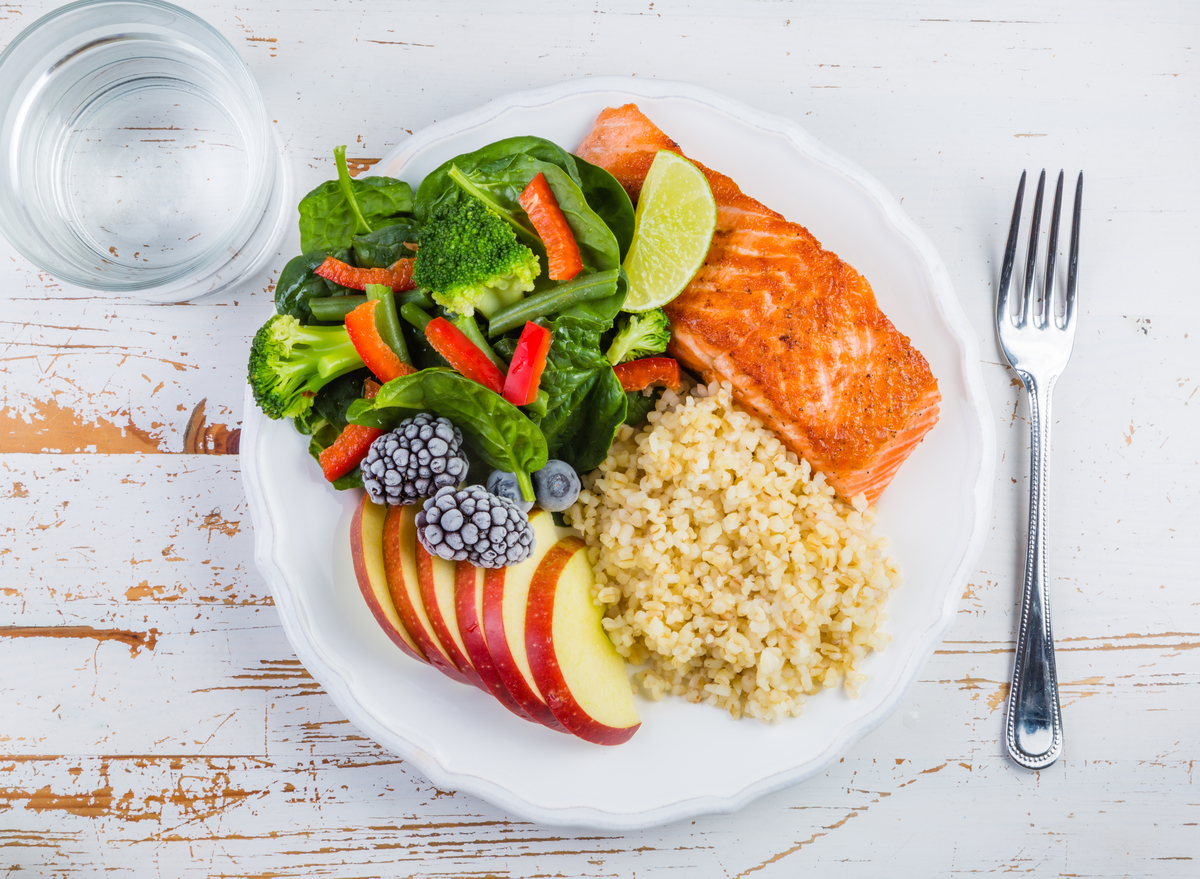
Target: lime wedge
x: 673, y: 226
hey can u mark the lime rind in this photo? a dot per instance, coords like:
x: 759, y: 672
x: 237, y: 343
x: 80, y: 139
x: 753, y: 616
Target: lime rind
x: 673, y: 227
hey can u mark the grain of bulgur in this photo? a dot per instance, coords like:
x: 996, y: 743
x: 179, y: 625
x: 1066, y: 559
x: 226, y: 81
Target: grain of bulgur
x: 728, y: 567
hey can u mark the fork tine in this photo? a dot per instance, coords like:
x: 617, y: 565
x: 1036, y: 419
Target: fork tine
x: 1073, y: 256
x: 1010, y: 254
x: 1046, y: 312
x: 1031, y: 256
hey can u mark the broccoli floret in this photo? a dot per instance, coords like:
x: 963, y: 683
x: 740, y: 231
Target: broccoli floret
x: 470, y: 259
x: 643, y: 335
x: 290, y: 362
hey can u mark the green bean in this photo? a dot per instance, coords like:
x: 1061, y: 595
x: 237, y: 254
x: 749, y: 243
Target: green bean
x: 416, y: 297
x: 415, y: 316
x: 334, y: 307
x: 387, y: 324
x: 471, y: 330
x: 552, y: 301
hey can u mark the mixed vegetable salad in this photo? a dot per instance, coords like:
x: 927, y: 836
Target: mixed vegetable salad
x: 474, y: 326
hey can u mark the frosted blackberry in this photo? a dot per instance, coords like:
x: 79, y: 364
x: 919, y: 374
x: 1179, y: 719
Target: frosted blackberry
x: 472, y: 524
x: 413, y: 461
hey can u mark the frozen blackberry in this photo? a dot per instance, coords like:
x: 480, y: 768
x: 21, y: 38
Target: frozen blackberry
x: 473, y: 524
x: 413, y: 461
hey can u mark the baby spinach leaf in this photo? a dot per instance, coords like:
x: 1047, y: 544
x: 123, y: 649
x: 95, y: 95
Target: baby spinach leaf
x: 609, y: 199
x: 333, y: 400
x: 639, y: 406
x: 597, y: 244
x: 328, y: 220
x: 381, y: 248
x: 586, y: 403
x: 493, y: 428
x: 438, y: 186
x: 298, y: 283
x: 323, y: 436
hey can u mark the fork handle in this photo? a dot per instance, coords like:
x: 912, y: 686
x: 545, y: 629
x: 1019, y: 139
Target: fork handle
x: 1033, y: 733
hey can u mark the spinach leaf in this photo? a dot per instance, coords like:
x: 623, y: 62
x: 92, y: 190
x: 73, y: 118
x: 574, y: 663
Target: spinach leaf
x: 639, y: 406
x: 586, y: 403
x: 597, y: 244
x: 328, y: 220
x: 437, y: 186
x: 335, y: 398
x: 298, y: 283
x: 381, y: 248
x: 609, y: 199
x: 322, y: 438
x: 606, y: 405
x: 493, y: 428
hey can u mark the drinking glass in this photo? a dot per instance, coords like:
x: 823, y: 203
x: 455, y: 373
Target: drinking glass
x: 135, y: 152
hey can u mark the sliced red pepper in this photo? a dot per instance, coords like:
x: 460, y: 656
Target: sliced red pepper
x: 637, y: 375
x: 547, y: 217
x: 463, y: 354
x: 529, y: 359
x: 352, y: 444
x: 379, y: 358
x: 398, y: 276
x: 347, y: 450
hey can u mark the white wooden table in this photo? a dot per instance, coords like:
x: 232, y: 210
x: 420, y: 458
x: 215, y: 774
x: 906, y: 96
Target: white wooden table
x: 153, y: 718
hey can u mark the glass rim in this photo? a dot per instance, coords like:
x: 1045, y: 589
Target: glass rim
x: 264, y: 172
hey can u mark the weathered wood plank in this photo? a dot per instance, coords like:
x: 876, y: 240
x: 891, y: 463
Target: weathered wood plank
x: 154, y: 718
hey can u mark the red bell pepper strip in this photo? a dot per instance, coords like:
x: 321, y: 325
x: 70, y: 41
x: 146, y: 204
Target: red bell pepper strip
x: 529, y: 359
x: 637, y: 375
x: 379, y: 358
x: 461, y: 353
x: 398, y: 276
x: 547, y: 217
x: 352, y: 444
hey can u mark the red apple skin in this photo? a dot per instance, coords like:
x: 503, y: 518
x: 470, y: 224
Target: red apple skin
x: 438, y: 621
x: 376, y: 593
x: 471, y: 632
x: 497, y: 643
x: 404, y: 594
x: 543, y: 661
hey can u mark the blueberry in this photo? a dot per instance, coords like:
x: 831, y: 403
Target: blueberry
x: 504, y: 484
x: 556, y: 486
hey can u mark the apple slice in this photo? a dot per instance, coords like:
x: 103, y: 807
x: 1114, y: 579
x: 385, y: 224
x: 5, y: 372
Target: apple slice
x: 366, y: 548
x: 505, y: 593
x: 435, y: 582
x: 400, y: 563
x: 468, y: 605
x: 573, y: 661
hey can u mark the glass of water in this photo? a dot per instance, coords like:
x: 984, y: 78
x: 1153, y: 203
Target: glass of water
x: 135, y: 152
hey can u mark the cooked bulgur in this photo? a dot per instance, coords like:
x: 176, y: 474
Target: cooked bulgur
x: 728, y: 567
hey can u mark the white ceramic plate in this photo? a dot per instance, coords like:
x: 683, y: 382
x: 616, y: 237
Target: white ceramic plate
x: 934, y: 512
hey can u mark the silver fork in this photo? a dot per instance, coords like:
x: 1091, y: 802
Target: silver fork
x: 1037, y: 342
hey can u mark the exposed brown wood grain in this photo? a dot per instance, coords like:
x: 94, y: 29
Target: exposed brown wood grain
x: 134, y: 640
x: 54, y: 428
x: 201, y: 438
x: 359, y: 166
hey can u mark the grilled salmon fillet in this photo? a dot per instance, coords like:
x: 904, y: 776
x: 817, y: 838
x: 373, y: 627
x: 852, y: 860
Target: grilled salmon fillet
x: 792, y: 327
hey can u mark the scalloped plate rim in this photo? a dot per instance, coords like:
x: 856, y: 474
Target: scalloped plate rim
x: 322, y: 667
